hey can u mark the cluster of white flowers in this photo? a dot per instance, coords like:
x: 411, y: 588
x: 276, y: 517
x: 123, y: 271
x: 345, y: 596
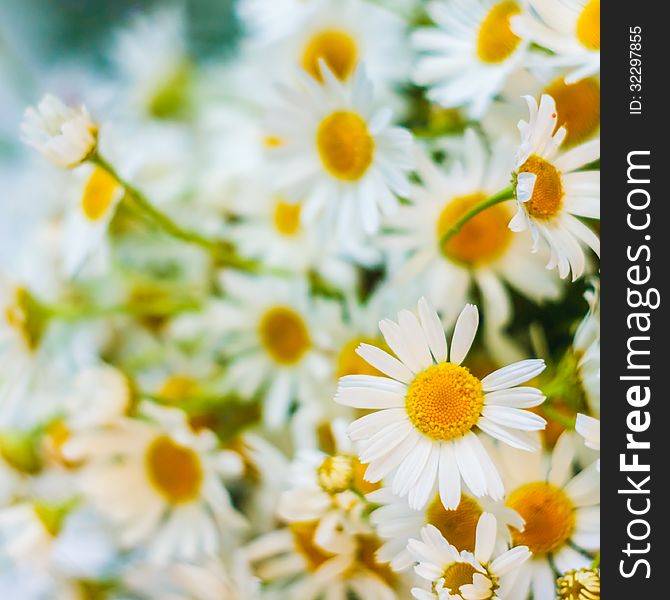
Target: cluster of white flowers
x: 224, y: 365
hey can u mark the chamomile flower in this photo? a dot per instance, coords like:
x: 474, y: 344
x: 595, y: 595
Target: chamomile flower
x: 88, y: 220
x: 467, y: 57
x: 428, y: 408
x: 338, y: 154
x: 552, y: 191
x: 484, y: 254
x: 570, y: 29
x: 277, y: 338
x: 397, y: 523
x: 328, y: 489
x: 579, y: 584
x: 179, y: 506
x: 561, y: 513
x: 294, y: 563
x: 476, y: 575
x: 342, y: 33
x: 589, y: 429
x: 66, y: 135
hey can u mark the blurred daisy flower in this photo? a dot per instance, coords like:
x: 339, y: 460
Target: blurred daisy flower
x: 466, y: 58
x: 570, y: 29
x: 66, y: 135
x: 454, y: 575
x: 427, y: 406
x: 589, y: 429
x: 337, y: 154
x: 552, y: 189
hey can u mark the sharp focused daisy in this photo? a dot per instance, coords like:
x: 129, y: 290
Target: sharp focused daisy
x: 552, y: 189
x: 179, y: 507
x: 483, y: 254
x: 277, y: 338
x: 561, y: 514
x: 475, y: 575
x: 67, y: 136
x: 429, y: 407
x: 397, y: 523
x: 570, y: 29
x: 467, y: 57
x: 339, y: 155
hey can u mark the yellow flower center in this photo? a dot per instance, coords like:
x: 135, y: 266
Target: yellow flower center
x: 444, y: 401
x: 26, y: 316
x: 547, y: 198
x: 582, y: 584
x: 366, y: 557
x: 174, y: 470
x: 303, y: 541
x: 343, y: 472
x: 458, y: 574
x: 496, y: 41
x: 284, y: 335
x: 482, y: 239
x: 458, y: 526
x: 350, y: 363
x: 286, y: 218
x: 549, y: 515
x: 336, y: 48
x: 588, y: 25
x: 98, y: 194
x: 345, y: 145
x: 178, y: 387
x: 578, y: 108
x: 272, y: 141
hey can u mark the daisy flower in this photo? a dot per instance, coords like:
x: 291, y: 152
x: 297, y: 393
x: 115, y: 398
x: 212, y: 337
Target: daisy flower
x: 589, y: 429
x: 67, y: 136
x: 328, y: 489
x: 570, y: 29
x: 342, y: 33
x: 428, y: 408
x: 561, y: 514
x: 454, y: 575
x: 294, y: 563
x: 397, y: 523
x: 484, y: 254
x: 179, y: 507
x: 277, y: 339
x: 88, y: 220
x: 551, y: 191
x: 579, y: 584
x: 339, y: 155
x: 466, y: 58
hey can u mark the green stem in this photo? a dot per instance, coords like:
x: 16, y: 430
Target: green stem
x: 502, y: 196
x: 219, y: 248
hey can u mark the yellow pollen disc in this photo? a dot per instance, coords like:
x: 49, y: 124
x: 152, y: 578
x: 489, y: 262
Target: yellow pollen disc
x: 444, y: 401
x: 582, y: 584
x: 98, y: 194
x: 286, y: 218
x: 482, y: 239
x: 336, y: 48
x: 458, y: 526
x: 495, y: 39
x: 350, y: 363
x: 588, y: 26
x: 345, y: 145
x: 303, y: 541
x: 174, y: 470
x: 547, y: 198
x: 578, y: 108
x: 272, y: 141
x: 178, y: 387
x: 284, y: 335
x: 549, y: 515
x: 458, y: 574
